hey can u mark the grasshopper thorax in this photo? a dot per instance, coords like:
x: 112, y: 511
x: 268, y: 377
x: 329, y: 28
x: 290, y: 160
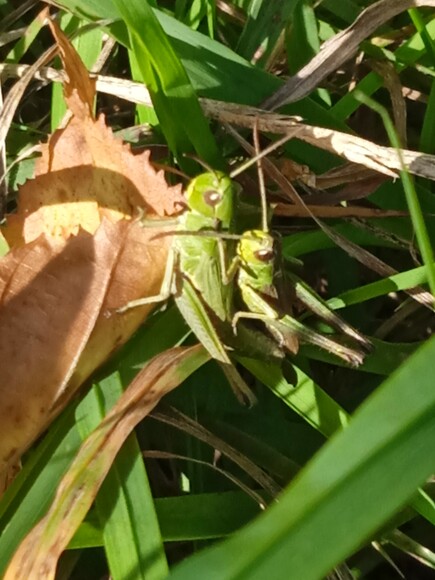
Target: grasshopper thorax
x: 212, y: 195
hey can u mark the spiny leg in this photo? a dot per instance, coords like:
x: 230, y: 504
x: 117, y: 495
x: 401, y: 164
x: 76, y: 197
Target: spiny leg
x: 261, y: 310
x: 318, y: 306
x: 229, y: 272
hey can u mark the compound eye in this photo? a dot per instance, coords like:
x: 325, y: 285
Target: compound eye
x: 264, y: 255
x: 212, y: 197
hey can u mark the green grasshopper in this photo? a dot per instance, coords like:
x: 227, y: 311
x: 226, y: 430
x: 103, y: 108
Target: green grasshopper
x: 196, y: 273
x: 256, y: 280
x: 262, y: 288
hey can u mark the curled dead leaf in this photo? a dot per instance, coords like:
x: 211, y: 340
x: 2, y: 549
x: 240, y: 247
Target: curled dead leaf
x: 51, y: 295
x: 76, y: 255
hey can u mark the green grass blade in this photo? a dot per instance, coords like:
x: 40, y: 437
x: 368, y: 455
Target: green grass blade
x: 306, y: 398
x: 124, y: 503
x: 406, y: 55
x: 424, y: 505
x: 346, y: 10
x: 145, y: 115
x: 31, y: 493
x: 303, y: 43
x: 368, y: 461
x: 402, y: 281
x: 417, y: 218
x: 186, y: 518
x: 22, y: 46
x: 174, y: 99
x: 427, y: 143
x: 267, y: 19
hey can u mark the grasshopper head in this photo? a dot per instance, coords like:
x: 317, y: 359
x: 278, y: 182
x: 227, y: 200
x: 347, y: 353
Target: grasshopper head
x: 256, y: 248
x: 257, y: 256
x: 212, y: 195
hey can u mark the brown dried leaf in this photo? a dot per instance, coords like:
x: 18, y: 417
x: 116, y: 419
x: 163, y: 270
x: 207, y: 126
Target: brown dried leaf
x: 383, y: 160
x: 51, y: 295
x: 137, y: 272
x: 117, y: 184
x: 58, y: 321
x: 79, y: 89
x: 74, y: 259
x: 85, y: 173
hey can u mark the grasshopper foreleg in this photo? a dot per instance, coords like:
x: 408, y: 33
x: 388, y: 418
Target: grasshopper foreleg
x: 227, y: 272
x: 167, y: 287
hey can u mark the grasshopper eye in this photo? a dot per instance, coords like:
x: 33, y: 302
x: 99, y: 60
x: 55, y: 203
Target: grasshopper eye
x: 264, y: 255
x: 212, y: 197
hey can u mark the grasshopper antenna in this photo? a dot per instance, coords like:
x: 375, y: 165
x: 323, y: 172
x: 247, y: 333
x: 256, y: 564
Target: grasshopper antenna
x: 244, y: 166
x: 200, y: 162
x: 261, y: 183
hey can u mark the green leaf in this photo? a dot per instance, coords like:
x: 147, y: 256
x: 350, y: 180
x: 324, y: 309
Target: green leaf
x: 173, y: 97
x: 124, y: 503
x: 369, y: 460
x: 266, y: 21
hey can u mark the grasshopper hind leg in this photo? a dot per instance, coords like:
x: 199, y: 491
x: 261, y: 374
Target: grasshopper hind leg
x: 196, y: 316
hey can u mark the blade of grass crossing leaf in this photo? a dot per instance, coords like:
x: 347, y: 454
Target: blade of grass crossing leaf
x: 58, y: 106
x: 31, y: 493
x: 4, y: 248
x: 124, y: 503
x: 174, y: 99
x: 352, y: 487
x: 20, y: 48
x: 43, y: 546
x: 417, y: 218
x: 402, y: 281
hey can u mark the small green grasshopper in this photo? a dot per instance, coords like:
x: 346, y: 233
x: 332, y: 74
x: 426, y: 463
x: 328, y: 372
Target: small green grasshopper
x: 196, y: 273
x: 256, y: 280
x: 264, y: 293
